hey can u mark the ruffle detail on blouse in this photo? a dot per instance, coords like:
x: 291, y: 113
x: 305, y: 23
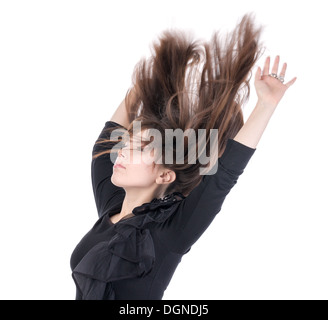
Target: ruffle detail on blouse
x: 165, y: 202
x: 128, y: 254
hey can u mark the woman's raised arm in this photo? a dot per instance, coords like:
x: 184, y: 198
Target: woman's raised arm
x: 121, y: 115
x: 269, y: 90
x: 200, y: 207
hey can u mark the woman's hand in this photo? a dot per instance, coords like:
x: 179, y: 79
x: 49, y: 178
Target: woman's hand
x: 270, y: 90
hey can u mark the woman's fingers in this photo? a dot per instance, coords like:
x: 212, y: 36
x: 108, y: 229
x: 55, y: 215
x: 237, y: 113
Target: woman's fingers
x: 276, y: 65
x: 266, y: 66
x: 266, y: 69
x: 283, y: 70
x: 275, y: 68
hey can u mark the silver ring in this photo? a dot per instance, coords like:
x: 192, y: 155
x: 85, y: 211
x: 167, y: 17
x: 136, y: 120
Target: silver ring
x: 282, y: 79
x: 274, y: 75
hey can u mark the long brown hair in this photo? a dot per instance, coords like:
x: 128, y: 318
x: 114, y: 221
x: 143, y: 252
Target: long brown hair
x: 189, y: 83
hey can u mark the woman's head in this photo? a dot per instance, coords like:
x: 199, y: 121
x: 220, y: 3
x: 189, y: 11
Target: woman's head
x: 190, y: 85
x: 155, y: 157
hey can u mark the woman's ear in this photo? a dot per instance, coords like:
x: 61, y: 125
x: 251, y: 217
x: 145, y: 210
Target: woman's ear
x: 165, y: 177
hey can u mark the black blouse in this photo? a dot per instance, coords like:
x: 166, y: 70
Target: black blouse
x: 135, y: 258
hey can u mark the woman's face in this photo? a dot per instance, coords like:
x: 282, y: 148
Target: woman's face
x: 140, y: 169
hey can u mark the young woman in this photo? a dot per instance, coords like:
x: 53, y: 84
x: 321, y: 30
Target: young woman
x: 151, y: 212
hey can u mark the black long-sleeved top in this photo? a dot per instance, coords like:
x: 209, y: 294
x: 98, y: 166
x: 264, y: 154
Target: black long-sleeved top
x: 135, y: 258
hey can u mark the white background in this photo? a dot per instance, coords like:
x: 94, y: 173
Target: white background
x: 64, y: 68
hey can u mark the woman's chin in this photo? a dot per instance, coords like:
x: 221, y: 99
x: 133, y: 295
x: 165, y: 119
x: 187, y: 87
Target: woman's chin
x: 116, y: 181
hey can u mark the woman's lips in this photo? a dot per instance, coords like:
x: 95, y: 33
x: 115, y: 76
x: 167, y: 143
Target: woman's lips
x: 119, y: 166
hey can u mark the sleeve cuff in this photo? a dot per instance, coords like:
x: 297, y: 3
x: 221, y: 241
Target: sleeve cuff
x: 236, y: 156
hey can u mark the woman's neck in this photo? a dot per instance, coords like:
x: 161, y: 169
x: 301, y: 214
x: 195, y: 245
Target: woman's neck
x: 133, y: 199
